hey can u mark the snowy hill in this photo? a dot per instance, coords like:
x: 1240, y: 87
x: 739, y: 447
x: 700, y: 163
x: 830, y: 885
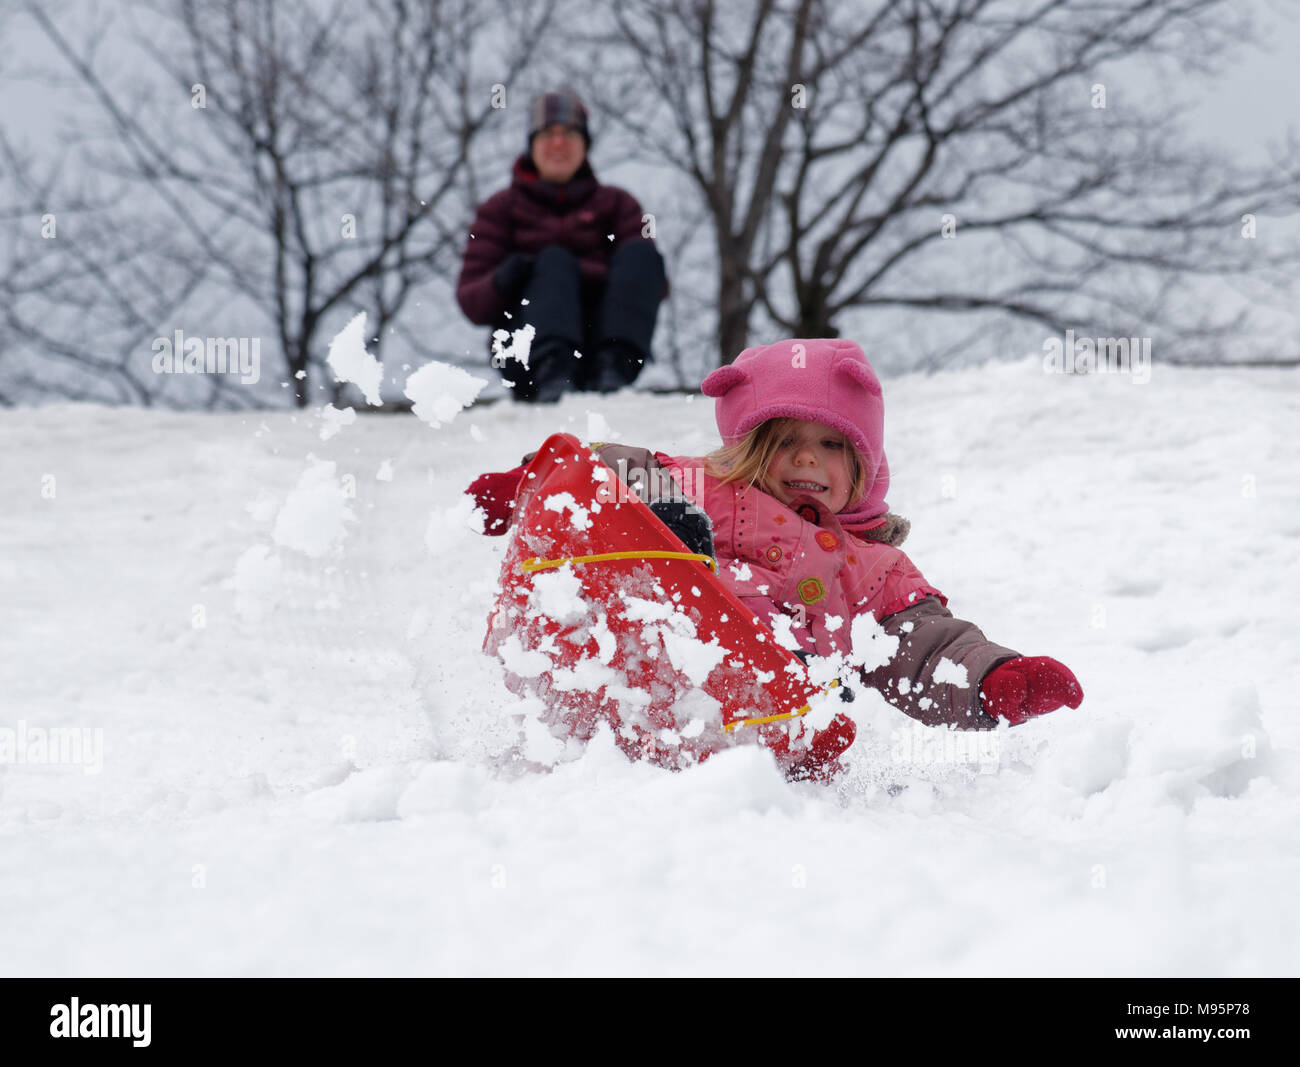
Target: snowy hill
x: 292, y: 754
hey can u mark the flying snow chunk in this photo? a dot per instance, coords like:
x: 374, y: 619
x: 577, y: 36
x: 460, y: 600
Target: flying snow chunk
x: 783, y: 631
x: 693, y: 657
x: 439, y: 391
x: 557, y: 595
x: 639, y: 609
x: 580, y: 517
x: 350, y: 361
x: 313, y: 516
x: 516, y: 344
x: 872, y: 647
x: 606, y: 642
x: 334, y: 419
x: 952, y: 673
x: 527, y: 663
x: 693, y: 728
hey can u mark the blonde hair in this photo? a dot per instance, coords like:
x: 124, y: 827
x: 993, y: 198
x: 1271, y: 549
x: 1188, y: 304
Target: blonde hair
x: 747, y: 460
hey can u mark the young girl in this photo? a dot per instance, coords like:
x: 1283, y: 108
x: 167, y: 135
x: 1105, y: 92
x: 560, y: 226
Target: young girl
x: 802, y: 535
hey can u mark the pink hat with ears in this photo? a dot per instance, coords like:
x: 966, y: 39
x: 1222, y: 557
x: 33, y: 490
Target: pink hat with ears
x: 824, y: 380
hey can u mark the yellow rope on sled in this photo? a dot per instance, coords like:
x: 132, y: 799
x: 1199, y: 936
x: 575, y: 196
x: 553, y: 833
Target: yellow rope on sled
x: 768, y: 718
x: 528, y: 566
x: 777, y: 718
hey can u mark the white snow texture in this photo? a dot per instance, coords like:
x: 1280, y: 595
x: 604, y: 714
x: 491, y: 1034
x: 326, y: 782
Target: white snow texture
x: 248, y: 729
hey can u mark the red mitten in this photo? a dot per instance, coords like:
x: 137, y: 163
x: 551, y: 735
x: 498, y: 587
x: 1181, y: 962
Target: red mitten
x: 495, y: 494
x: 819, y: 762
x: 1031, y: 685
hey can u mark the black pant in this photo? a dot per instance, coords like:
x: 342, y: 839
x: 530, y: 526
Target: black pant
x: 586, y: 331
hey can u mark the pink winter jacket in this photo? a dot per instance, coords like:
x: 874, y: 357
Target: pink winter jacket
x: 819, y: 575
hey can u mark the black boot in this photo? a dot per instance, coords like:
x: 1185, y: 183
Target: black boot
x: 615, y: 366
x: 552, y: 370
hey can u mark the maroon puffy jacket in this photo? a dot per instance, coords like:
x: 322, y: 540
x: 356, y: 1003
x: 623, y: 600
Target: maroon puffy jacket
x: 581, y: 215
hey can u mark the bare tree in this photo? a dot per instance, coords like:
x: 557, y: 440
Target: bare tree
x: 83, y: 295
x: 323, y: 162
x: 961, y: 156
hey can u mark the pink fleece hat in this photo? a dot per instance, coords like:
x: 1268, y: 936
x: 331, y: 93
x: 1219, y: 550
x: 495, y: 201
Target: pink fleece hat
x: 826, y: 380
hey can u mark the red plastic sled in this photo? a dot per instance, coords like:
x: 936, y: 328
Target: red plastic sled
x: 607, y: 617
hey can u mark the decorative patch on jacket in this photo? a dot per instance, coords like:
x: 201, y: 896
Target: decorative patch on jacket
x: 809, y: 513
x: 827, y: 540
x: 812, y: 590
x: 773, y: 553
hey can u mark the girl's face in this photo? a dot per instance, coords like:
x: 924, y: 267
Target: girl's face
x: 811, y: 460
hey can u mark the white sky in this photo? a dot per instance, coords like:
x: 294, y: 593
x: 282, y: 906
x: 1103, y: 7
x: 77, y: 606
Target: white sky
x: 1256, y: 100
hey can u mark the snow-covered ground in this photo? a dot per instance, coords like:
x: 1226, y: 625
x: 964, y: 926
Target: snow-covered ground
x: 276, y: 636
